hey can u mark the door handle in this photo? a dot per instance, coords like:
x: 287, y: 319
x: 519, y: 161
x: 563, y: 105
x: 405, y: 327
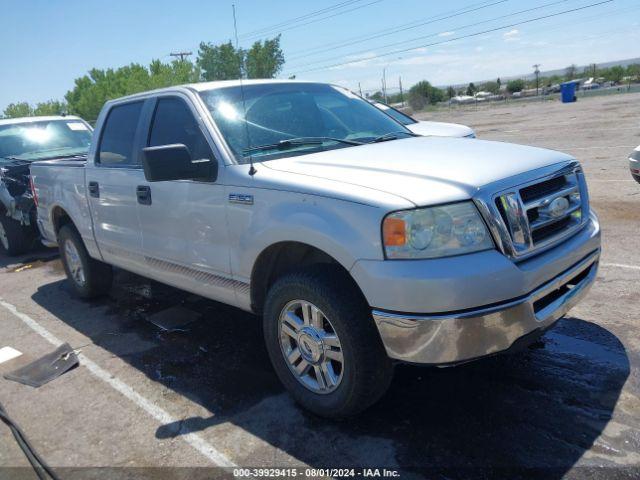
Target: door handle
x: 143, y: 192
x: 94, y: 189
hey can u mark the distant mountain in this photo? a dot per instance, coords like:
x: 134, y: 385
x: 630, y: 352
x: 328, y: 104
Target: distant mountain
x: 548, y: 73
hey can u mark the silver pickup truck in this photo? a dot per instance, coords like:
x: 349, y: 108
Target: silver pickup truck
x: 358, y: 243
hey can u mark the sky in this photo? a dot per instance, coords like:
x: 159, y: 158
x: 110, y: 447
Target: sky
x: 46, y: 44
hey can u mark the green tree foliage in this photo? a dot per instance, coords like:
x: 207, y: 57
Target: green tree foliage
x: 633, y: 71
x: 15, y: 110
x: 492, y: 87
x: 24, y: 109
x: 220, y: 62
x: 264, y: 59
x: 514, y: 86
x: 422, y: 94
x: 51, y: 107
x: 615, y: 74
x: 451, y: 92
x: 471, y: 89
x: 93, y: 90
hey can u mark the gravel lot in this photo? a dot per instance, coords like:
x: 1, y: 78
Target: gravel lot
x: 143, y: 398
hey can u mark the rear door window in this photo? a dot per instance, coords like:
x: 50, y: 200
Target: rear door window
x: 173, y: 122
x: 118, y: 135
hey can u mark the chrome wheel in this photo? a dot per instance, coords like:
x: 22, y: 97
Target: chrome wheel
x: 310, y: 346
x: 74, y: 263
x: 3, y: 236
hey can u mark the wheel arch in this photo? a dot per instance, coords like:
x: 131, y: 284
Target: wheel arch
x: 281, y: 257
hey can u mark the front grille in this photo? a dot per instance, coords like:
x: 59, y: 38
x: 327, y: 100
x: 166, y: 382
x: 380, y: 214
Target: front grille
x: 542, y: 189
x: 542, y: 212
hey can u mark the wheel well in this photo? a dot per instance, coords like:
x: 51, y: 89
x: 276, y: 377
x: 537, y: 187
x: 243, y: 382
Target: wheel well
x: 279, y: 259
x: 60, y: 218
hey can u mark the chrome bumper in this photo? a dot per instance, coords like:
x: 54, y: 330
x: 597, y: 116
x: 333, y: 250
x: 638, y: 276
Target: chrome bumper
x: 465, y: 335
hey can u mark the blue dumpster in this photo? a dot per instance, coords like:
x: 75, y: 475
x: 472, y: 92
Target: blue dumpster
x: 568, y: 92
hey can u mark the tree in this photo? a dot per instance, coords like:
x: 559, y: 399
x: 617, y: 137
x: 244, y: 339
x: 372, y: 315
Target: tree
x: 615, y: 74
x: 264, y: 59
x: 570, y: 72
x: 499, y: 82
x: 451, y: 92
x: 92, y: 90
x: 220, y: 62
x: 492, y: 87
x: 20, y: 109
x: 471, y: 89
x: 633, y: 71
x: 514, y: 86
x: 51, y: 107
x: 422, y: 94
x: 24, y: 109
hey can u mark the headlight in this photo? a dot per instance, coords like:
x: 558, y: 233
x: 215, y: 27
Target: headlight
x: 433, y: 232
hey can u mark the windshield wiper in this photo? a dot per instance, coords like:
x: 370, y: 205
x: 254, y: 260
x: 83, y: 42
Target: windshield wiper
x: 392, y: 136
x: 296, y: 142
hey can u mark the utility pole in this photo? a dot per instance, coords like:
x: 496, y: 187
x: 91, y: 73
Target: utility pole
x: 360, y: 88
x: 401, y: 94
x: 536, y: 70
x: 384, y: 84
x: 182, y: 55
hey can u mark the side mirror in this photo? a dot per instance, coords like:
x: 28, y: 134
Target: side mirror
x: 173, y: 162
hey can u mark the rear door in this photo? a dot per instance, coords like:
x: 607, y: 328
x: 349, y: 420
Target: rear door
x: 111, y: 186
x: 183, y: 222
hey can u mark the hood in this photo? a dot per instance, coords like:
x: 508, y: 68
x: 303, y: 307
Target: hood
x: 440, y: 129
x: 422, y: 170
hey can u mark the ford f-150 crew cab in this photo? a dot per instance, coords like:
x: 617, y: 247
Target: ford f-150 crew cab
x: 358, y: 243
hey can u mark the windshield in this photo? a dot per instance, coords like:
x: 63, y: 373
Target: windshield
x: 318, y: 116
x: 396, y: 114
x: 40, y: 140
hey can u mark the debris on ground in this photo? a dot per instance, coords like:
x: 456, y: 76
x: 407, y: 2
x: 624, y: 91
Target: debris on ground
x: 174, y: 319
x: 46, y: 368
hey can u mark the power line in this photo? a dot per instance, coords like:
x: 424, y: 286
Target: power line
x: 324, y: 18
x: 449, y: 40
x: 390, y: 31
x: 296, y: 19
x: 423, y: 37
x: 291, y: 25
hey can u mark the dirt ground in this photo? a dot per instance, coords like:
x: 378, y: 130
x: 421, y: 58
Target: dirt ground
x: 144, y: 400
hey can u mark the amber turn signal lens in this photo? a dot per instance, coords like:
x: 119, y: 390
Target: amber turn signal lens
x: 394, y: 232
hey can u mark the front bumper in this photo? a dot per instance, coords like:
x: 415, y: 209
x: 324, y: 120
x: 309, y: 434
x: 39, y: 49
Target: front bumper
x: 465, y: 335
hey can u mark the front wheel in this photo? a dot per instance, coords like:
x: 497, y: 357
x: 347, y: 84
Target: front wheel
x: 15, y: 238
x: 89, y: 278
x: 323, y: 343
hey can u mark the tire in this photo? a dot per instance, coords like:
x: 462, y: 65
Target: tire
x: 365, y: 372
x: 636, y: 177
x: 95, y: 278
x: 15, y: 238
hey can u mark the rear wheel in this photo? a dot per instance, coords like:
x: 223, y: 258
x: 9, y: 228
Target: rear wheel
x: 15, y: 238
x: 636, y: 177
x: 89, y: 278
x: 323, y: 343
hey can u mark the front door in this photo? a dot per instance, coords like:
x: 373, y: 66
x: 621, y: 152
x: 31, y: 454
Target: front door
x: 183, y: 222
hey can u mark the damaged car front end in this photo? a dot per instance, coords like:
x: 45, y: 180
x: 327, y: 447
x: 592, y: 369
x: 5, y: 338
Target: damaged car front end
x: 23, y: 141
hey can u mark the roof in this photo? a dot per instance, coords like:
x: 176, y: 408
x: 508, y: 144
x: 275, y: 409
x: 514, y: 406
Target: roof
x: 236, y: 83
x: 202, y: 86
x: 13, y: 121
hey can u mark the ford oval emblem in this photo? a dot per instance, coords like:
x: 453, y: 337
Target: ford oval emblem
x: 558, y: 207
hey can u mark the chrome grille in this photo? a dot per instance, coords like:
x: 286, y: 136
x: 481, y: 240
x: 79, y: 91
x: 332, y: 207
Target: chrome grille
x: 526, y: 218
